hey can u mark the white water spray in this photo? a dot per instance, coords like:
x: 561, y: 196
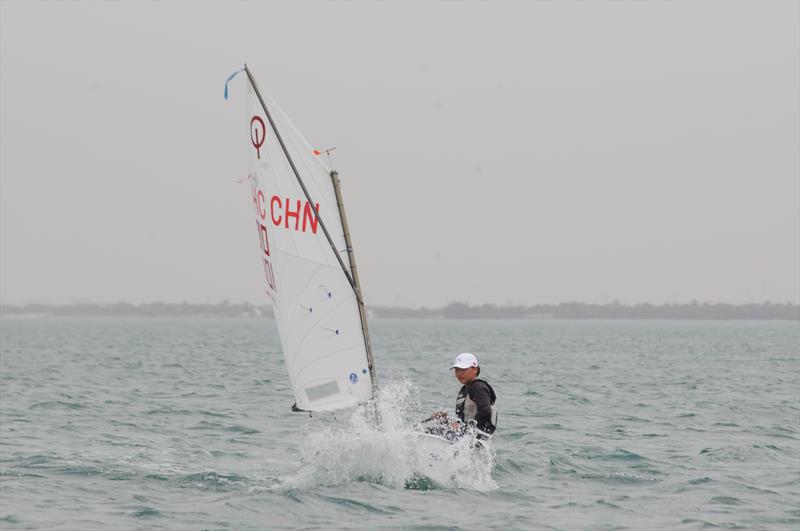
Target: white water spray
x: 397, y: 455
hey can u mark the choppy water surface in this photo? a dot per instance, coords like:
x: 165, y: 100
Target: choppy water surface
x: 185, y: 424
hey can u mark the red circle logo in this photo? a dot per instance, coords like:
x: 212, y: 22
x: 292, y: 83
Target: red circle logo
x: 258, y: 133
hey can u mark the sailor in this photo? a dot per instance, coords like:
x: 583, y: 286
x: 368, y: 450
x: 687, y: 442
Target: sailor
x: 475, y: 403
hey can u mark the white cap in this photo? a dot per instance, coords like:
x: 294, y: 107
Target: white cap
x: 465, y: 360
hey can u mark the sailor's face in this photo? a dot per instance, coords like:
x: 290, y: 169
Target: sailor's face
x: 465, y: 376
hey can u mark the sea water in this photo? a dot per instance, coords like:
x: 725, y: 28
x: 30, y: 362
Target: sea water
x: 186, y: 424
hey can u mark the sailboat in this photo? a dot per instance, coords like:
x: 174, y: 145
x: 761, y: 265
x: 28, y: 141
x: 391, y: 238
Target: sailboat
x: 309, y: 265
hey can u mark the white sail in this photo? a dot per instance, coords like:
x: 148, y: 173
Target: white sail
x: 315, y: 306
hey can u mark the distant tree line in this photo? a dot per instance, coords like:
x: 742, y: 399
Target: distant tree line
x: 616, y: 310
x: 153, y: 309
x: 454, y: 310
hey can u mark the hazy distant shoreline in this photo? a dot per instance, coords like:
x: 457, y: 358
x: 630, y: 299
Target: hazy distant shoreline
x: 567, y: 310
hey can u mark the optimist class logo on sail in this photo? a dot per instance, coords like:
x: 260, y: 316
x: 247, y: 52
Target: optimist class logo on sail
x: 258, y: 133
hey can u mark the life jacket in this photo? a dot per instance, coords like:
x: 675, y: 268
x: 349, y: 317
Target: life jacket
x: 466, y: 408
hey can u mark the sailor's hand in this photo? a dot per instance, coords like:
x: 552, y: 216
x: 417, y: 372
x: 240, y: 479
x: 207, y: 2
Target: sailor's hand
x: 439, y: 415
x: 455, y: 426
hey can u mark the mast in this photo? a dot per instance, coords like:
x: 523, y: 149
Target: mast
x: 362, y: 311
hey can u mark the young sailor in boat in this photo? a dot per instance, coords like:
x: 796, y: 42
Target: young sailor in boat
x: 475, y: 403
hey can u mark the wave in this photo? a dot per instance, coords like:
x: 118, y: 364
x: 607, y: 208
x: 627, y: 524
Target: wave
x: 618, y: 466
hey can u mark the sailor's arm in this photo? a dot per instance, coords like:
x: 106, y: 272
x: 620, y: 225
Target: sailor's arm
x: 482, y: 397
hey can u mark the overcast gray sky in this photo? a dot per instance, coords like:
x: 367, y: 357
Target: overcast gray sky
x: 521, y: 152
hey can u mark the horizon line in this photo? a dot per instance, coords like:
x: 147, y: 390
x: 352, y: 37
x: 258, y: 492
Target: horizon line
x: 226, y: 302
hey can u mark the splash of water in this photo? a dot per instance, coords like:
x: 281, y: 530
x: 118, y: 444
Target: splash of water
x: 382, y: 444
